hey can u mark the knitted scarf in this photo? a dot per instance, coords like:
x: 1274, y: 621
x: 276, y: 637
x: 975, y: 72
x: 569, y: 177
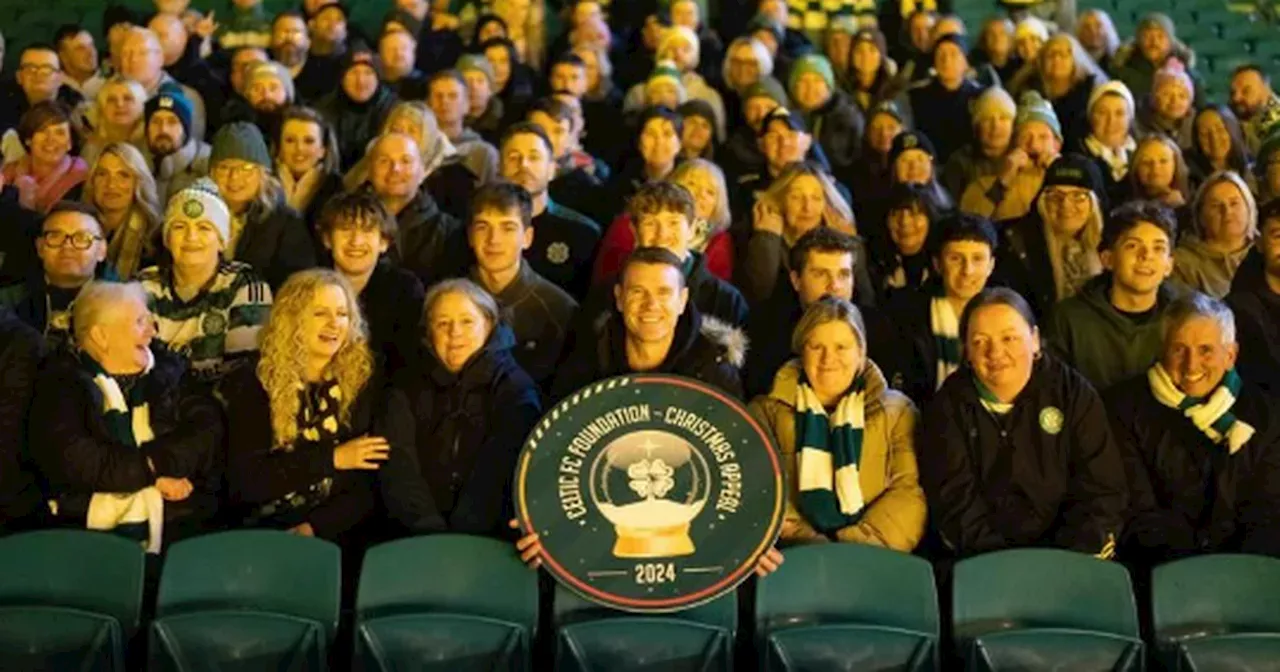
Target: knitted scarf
x: 830, y: 492
x: 128, y: 421
x: 946, y: 337
x: 1117, y: 159
x: 41, y: 194
x: 298, y: 193
x: 989, y: 399
x: 1212, y: 414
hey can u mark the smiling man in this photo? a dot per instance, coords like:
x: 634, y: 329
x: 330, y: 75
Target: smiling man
x: 539, y: 313
x: 1200, y: 446
x: 357, y: 231
x: 1111, y: 330
x: 656, y: 329
x: 71, y: 248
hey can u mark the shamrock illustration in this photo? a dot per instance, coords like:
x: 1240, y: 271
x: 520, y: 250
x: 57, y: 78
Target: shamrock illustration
x: 651, y: 479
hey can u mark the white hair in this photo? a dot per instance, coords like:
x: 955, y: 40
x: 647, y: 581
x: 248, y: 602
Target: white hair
x: 95, y: 304
x: 1195, y: 305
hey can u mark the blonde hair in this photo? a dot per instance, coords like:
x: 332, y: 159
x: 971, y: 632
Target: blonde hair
x: 283, y: 354
x: 483, y: 301
x: 1083, y: 65
x: 761, y: 53
x: 777, y: 195
x: 146, y: 204
x: 604, y: 65
x: 691, y: 168
x: 139, y: 95
x: 532, y: 33
x: 1090, y: 235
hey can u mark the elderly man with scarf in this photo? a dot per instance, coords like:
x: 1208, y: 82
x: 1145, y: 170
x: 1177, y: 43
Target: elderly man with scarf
x: 124, y: 443
x: 1201, y: 446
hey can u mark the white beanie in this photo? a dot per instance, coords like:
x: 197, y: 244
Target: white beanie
x: 1116, y: 87
x: 676, y: 34
x: 1032, y: 27
x: 201, y: 201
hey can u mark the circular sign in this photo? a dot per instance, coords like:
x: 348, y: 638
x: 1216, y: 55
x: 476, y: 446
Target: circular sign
x: 650, y: 493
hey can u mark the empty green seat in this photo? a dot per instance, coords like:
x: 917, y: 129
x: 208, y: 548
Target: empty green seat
x: 246, y: 600
x: 1210, y: 610
x: 1045, y: 609
x: 447, y: 602
x: 848, y: 604
x: 593, y: 637
x: 69, y: 600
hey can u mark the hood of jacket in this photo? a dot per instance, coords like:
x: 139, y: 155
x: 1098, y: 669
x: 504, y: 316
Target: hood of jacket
x: 728, y: 340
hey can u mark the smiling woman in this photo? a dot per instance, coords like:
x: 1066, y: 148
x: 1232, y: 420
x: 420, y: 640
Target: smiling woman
x: 121, y: 187
x: 48, y: 173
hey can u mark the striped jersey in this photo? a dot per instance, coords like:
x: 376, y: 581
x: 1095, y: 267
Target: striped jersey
x: 813, y: 16
x: 216, y: 327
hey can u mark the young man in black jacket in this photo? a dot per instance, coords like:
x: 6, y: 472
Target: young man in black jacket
x: 656, y: 329
x: 540, y: 313
x: 1201, y: 444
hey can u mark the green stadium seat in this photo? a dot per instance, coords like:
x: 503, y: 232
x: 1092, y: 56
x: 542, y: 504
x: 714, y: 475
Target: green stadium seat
x: 246, y: 600
x: 1045, y: 609
x: 448, y: 602
x: 592, y: 637
x: 814, y: 613
x: 69, y: 600
x: 1217, y: 612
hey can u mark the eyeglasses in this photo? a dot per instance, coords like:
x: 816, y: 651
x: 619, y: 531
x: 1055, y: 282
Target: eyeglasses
x: 225, y: 170
x: 1076, y: 198
x: 42, y: 69
x: 80, y: 240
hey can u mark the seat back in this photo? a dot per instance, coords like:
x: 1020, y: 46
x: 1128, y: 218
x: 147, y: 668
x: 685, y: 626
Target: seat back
x: 1042, y: 588
x: 1245, y: 651
x: 446, y: 601
x: 569, y: 609
x: 848, y: 583
x: 1054, y: 649
x: 636, y: 643
x: 261, y: 571
x: 1215, y: 594
x: 448, y: 573
x: 1214, y: 597
x: 236, y: 641
x: 847, y: 602
x: 92, y: 572
x: 57, y: 638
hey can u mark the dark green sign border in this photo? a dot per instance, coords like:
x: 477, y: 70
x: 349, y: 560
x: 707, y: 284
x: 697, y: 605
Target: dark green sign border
x: 732, y: 578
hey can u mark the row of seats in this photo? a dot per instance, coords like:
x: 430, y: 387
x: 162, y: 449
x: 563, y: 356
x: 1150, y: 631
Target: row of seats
x: 259, y: 600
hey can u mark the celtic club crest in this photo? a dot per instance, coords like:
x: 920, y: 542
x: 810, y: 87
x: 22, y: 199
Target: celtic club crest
x: 650, y: 493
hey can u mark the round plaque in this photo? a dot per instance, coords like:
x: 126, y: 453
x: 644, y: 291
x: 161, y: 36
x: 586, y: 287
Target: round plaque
x: 650, y: 493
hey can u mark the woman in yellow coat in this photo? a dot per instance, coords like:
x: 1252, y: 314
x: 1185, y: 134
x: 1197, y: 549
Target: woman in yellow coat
x: 845, y: 438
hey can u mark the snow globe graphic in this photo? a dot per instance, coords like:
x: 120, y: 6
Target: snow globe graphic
x: 650, y: 485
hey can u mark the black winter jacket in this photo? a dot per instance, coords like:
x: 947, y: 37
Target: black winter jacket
x: 20, y: 352
x: 277, y: 244
x: 392, y: 307
x: 431, y: 244
x: 1189, y: 495
x: 455, y: 438
x: 78, y: 456
x: 1257, y: 310
x: 1046, y: 474
x: 703, y: 348
x: 355, y: 124
x: 1023, y: 265
x: 258, y: 475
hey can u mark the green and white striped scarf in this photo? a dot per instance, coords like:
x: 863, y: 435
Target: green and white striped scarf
x: 945, y: 325
x: 828, y: 457
x: 989, y: 399
x: 1211, y: 414
x: 128, y: 419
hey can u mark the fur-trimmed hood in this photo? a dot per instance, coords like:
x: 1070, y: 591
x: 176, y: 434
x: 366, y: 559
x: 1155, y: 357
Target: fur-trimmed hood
x: 730, y: 339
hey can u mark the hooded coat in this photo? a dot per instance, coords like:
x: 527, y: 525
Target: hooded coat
x: 1033, y: 477
x: 1103, y: 344
x: 894, y: 513
x: 703, y: 348
x: 455, y: 439
x: 1187, y: 494
x: 1205, y: 269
